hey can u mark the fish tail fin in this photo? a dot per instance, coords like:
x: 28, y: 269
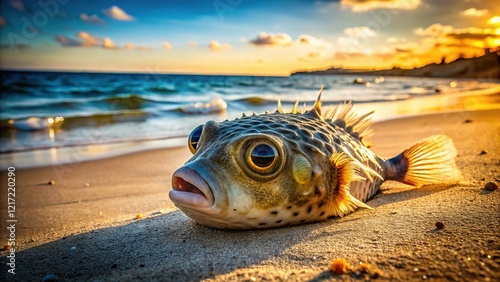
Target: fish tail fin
x: 429, y: 161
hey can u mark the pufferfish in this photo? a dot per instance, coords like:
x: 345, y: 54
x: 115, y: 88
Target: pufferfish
x: 278, y: 169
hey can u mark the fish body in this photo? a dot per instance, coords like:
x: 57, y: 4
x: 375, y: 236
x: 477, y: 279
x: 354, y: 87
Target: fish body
x: 278, y: 169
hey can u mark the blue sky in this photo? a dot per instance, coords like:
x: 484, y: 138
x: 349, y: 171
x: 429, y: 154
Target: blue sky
x: 241, y: 36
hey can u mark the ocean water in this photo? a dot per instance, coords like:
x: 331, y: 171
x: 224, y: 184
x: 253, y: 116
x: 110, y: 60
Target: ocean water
x: 107, y: 108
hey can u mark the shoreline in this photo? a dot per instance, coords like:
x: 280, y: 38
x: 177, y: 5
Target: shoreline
x: 431, y: 104
x: 89, y: 232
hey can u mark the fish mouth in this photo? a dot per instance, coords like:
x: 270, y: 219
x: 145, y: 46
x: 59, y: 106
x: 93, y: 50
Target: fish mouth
x: 189, y: 188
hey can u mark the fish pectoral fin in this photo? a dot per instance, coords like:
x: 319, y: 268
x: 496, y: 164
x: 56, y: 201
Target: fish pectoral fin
x: 347, y: 172
x: 429, y: 161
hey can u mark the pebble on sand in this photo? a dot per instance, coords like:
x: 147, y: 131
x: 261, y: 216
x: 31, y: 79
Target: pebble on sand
x: 52, y: 182
x: 468, y: 121
x: 483, y: 152
x: 439, y: 225
x: 6, y: 247
x: 138, y: 216
x: 339, y: 266
x: 491, y: 186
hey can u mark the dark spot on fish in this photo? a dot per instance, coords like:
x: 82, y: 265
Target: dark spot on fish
x: 274, y: 212
x: 309, y: 209
x: 337, y: 141
x: 262, y: 223
x: 234, y: 209
x: 289, y: 207
x: 317, y: 191
x: 279, y: 221
x: 321, y: 204
x: 322, y: 214
x: 331, y: 217
x: 296, y: 213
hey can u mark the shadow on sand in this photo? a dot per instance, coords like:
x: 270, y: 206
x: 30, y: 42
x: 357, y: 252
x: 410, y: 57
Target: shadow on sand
x: 171, y: 247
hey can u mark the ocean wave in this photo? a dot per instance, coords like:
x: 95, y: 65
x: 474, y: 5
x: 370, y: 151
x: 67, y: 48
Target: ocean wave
x: 70, y: 122
x: 216, y: 105
x: 91, y: 91
x: 163, y: 89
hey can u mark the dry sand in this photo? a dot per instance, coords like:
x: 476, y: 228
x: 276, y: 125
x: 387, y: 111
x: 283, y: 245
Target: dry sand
x: 88, y: 232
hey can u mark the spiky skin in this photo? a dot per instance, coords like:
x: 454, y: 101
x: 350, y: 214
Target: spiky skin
x: 245, y: 200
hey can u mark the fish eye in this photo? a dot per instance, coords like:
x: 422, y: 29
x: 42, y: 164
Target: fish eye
x: 194, y: 137
x: 261, y: 157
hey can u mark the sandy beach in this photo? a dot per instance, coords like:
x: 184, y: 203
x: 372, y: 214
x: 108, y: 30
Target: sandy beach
x: 84, y: 228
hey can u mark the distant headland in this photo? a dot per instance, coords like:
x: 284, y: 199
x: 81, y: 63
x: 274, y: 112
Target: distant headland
x: 485, y: 67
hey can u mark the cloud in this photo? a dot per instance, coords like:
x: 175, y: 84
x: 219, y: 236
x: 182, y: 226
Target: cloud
x: 283, y: 39
x: 117, y: 14
x: 359, y: 31
x: 167, y: 45
x: 472, y: 12
x: 439, y: 30
x: 216, y: 46
x: 359, y: 37
x: 94, y: 19
x: 108, y: 44
x: 87, y: 39
x: 68, y: 42
x: 306, y: 39
x: 270, y: 39
x: 2, y: 21
x: 470, y: 38
x: 130, y: 46
x: 83, y: 39
x: 494, y: 20
x: 18, y: 5
x: 359, y: 6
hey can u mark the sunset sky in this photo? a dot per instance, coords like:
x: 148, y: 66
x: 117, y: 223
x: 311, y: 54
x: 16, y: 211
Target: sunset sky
x: 241, y: 36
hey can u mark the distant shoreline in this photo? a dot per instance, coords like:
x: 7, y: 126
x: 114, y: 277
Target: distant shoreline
x: 484, y: 67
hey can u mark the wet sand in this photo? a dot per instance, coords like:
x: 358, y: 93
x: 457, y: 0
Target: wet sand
x: 84, y: 228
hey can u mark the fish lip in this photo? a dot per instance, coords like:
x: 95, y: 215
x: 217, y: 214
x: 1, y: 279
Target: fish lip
x: 201, y: 200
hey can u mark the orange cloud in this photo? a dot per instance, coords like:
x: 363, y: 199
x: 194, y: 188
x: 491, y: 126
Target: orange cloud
x: 87, y: 39
x: 167, y: 45
x: 306, y: 39
x: 494, y: 20
x: 118, y: 14
x: 129, y: 46
x: 473, y: 12
x: 108, y: 44
x: 358, y: 6
x: 359, y: 31
x: 469, y: 33
x: 83, y: 39
x: 270, y: 39
x: 216, y: 46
